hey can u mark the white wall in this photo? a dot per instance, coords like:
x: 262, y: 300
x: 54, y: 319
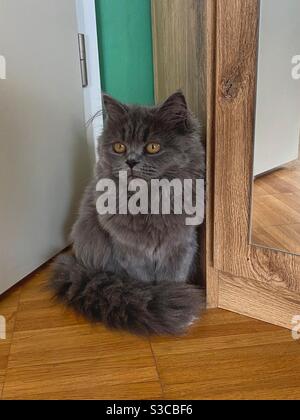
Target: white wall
x: 278, y: 100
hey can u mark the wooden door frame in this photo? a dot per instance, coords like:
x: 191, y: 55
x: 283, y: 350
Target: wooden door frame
x: 244, y: 278
x: 212, y: 278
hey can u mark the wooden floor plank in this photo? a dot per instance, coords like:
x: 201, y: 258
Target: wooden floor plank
x: 38, y: 310
x: 75, y: 344
x: 268, y: 210
x: 285, y: 237
x: 55, y: 353
x: 230, y: 360
x: 276, y: 209
x: 196, y: 391
x: 52, y: 354
x: 81, y: 380
x: 10, y: 300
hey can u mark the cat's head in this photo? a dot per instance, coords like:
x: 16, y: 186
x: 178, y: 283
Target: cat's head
x: 151, y: 142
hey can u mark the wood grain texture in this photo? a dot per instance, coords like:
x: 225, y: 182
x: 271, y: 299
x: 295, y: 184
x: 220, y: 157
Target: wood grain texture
x: 257, y: 300
x: 212, y: 279
x: 179, y: 50
x: 54, y: 355
x: 276, y: 210
x: 228, y: 356
x: 237, y: 36
x: 237, y: 26
x: 183, y: 39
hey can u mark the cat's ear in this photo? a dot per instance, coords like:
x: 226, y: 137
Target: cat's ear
x: 115, y: 110
x: 174, y: 111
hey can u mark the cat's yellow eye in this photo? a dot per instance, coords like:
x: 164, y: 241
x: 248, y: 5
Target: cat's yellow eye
x: 153, y: 148
x: 119, y: 148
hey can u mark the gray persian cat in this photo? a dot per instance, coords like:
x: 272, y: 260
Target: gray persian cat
x: 133, y: 272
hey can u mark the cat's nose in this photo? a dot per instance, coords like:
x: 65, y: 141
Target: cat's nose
x: 132, y: 163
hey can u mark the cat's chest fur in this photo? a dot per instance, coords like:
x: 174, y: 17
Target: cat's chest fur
x: 147, y: 234
x: 150, y: 248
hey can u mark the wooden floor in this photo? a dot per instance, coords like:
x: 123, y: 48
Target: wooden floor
x: 51, y: 354
x: 276, y: 210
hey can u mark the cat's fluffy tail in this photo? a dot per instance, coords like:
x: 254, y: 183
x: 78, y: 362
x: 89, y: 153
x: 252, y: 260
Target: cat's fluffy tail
x: 142, y: 308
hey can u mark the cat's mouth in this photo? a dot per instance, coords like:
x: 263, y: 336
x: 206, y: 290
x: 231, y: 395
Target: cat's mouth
x: 135, y: 175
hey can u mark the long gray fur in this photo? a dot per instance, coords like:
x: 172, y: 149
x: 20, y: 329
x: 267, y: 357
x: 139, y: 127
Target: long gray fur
x: 132, y: 272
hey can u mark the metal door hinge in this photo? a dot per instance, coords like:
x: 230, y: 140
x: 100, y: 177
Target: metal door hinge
x: 83, y: 60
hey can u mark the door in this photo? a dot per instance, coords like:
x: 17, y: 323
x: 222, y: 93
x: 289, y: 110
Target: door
x: 250, y: 279
x: 45, y: 159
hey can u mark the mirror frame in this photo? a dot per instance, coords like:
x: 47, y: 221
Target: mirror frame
x: 257, y: 282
